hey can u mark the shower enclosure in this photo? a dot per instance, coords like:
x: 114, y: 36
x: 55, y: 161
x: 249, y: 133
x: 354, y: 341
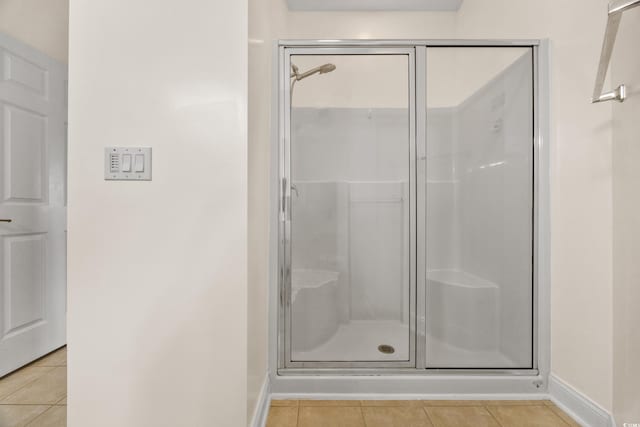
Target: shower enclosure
x: 407, y: 206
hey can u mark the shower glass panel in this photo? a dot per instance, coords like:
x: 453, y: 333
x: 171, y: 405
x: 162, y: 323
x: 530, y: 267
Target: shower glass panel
x: 479, y: 207
x: 351, y: 230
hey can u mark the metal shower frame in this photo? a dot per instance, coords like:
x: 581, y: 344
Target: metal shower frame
x: 416, y: 365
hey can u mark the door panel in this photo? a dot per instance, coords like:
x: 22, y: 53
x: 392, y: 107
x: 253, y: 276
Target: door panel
x: 479, y: 208
x: 32, y: 189
x: 352, y: 155
x: 23, y: 72
x: 25, y: 176
x: 24, y: 260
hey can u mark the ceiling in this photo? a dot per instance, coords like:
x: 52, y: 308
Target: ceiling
x: 327, y: 5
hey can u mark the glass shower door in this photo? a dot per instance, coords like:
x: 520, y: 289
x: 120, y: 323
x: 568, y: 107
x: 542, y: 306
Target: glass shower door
x: 351, y: 230
x: 479, y: 207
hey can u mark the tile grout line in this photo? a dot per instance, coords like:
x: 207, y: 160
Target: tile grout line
x: 38, y: 416
x: 2, y: 402
x: 364, y: 421
x: 24, y: 368
x: 424, y: 409
x: 298, y: 413
x: 61, y: 399
x: 25, y: 385
x: 558, y: 416
x: 533, y: 406
x: 486, y: 408
x: 555, y: 415
x: 29, y: 404
x: 35, y: 363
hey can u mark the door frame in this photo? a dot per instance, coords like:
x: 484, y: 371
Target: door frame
x: 280, y: 361
x: 285, y: 207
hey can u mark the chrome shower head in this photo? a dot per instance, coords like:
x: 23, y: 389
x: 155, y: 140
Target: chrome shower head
x: 322, y: 69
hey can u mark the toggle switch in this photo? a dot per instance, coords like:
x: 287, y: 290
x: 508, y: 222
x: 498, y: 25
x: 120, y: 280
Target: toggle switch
x: 138, y: 165
x: 126, y: 163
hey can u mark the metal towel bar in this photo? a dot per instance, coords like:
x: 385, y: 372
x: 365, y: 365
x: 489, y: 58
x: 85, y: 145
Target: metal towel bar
x: 616, y: 8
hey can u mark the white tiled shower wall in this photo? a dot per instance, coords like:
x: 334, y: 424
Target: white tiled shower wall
x: 350, y: 204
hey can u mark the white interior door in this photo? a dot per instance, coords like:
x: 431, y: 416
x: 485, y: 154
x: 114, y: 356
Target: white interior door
x: 33, y: 116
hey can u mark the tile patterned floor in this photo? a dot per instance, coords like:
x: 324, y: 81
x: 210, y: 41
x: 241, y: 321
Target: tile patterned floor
x: 36, y: 395
x: 417, y: 413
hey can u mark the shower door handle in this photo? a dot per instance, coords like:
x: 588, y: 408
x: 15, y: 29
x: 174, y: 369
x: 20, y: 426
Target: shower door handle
x: 286, y: 202
x: 283, y: 199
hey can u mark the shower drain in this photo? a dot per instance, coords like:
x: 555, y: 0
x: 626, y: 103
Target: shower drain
x: 386, y: 349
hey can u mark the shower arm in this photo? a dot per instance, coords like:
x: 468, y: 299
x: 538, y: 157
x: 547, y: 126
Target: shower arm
x: 616, y: 9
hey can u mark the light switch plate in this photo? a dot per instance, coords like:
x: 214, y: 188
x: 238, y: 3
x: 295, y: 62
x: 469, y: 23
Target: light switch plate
x: 114, y: 162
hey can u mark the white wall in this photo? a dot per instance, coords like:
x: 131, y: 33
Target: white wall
x: 157, y: 270
x: 350, y: 167
x: 581, y: 213
x: 454, y: 75
x: 262, y: 19
x: 42, y: 24
x: 350, y: 84
x: 625, y: 68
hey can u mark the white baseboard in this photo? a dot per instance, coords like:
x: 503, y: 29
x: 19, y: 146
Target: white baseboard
x: 262, y: 405
x: 585, y: 411
x: 404, y: 396
x: 409, y: 384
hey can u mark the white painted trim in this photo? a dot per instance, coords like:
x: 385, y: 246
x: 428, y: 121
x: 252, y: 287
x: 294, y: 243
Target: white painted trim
x: 261, y: 410
x: 582, y: 409
x: 387, y: 396
x: 405, y: 385
x: 544, y: 210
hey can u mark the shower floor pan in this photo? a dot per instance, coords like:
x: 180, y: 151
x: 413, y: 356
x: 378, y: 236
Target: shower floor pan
x: 443, y: 355
x: 359, y: 341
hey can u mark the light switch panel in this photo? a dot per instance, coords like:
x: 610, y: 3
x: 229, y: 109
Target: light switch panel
x: 127, y: 163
